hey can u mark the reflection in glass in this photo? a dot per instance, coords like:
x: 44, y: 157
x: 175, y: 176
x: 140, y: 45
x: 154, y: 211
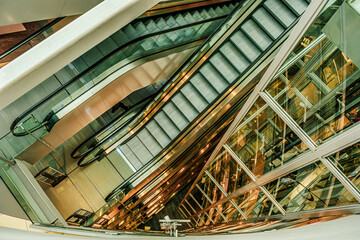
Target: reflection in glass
x: 348, y: 161
x: 227, y: 172
x: 320, y: 91
x: 263, y: 141
x: 210, y: 189
x: 310, y: 187
x: 255, y: 204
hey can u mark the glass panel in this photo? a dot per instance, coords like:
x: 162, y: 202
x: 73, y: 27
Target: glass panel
x: 211, y: 190
x: 310, y: 187
x: 230, y: 212
x: 348, y: 161
x: 193, y: 204
x: 320, y: 91
x: 255, y: 204
x: 214, y: 217
x: 263, y: 141
x: 199, y: 197
x: 227, y: 172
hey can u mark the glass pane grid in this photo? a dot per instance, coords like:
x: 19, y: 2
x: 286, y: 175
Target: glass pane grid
x: 319, y: 92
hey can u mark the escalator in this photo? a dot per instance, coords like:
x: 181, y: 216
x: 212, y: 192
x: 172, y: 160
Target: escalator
x: 150, y: 37
x: 244, y: 47
x: 252, y: 33
x: 267, y: 23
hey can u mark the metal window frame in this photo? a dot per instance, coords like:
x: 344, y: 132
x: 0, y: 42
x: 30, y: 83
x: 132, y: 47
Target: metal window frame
x: 211, y: 202
x: 317, y: 153
x: 225, y: 194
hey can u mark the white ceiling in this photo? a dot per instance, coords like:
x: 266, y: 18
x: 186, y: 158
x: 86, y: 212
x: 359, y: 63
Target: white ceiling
x: 20, y: 11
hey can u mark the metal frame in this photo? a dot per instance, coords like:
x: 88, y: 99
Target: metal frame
x: 317, y: 152
x: 211, y: 202
x: 201, y: 208
x: 253, y: 178
x: 225, y: 193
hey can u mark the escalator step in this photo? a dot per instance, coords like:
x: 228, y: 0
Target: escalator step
x: 176, y: 115
x: 158, y: 133
x: 269, y: 24
x: 280, y: 12
x: 196, y: 15
x: 151, y: 26
x: 256, y: 34
x: 179, y: 18
x: 230, y: 7
x: 141, y: 28
x: 166, y: 124
x: 163, y: 40
x: 189, y: 18
x: 226, y: 9
x: 220, y: 11
x: 120, y: 37
x: 224, y: 67
x: 235, y: 56
x: 131, y: 156
x: 212, y: 13
x: 297, y: 6
x: 106, y: 46
x: 130, y: 31
x: 171, y: 22
x: 204, y: 87
x: 161, y: 23
x: 192, y: 94
x: 139, y: 149
x: 249, y: 50
x: 185, y: 107
x: 148, y: 44
x: 149, y: 141
x: 213, y: 77
x: 204, y: 14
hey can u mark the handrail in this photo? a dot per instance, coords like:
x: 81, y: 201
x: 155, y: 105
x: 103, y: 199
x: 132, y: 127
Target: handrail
x: 27, y: 39
x: 152, y: 13
x: 48, y: 97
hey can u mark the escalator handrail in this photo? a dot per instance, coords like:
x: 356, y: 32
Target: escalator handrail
x: 49, y: 96
x: 29, y: 38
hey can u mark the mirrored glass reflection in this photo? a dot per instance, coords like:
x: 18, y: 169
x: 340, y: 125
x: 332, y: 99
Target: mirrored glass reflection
x: 310, y: 187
